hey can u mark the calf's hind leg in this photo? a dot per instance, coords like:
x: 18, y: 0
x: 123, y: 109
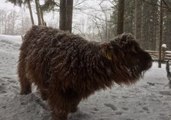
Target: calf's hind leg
x: 24, y: 81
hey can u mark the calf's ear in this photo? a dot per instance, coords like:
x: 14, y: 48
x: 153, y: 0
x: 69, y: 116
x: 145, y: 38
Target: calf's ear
x: 106, y: 50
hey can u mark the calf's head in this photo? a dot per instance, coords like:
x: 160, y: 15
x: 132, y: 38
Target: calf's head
x: 129, y: 61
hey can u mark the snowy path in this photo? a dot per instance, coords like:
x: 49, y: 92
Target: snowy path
x: 148, y: 99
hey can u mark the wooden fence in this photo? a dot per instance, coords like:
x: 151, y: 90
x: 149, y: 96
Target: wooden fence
x: 165, y: 55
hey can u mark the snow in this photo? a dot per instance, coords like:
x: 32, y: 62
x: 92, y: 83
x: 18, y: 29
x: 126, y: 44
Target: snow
x: 168, y: 51
x: 4, y: 5
x: 148, y: 99
x: 164, y: 46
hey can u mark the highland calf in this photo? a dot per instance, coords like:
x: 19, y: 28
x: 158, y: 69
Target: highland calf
x: 67, y: 68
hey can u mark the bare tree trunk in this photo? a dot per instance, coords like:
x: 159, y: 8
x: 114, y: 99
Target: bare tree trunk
x: 120, y: 17
x: 38, y: 12
x: 13, y: 17
x: 161, y: 31
x: 6, y: 22
x: 30, y: 11
x: 69, y: 12
x: 42, y: 18
x: 1, y: 24
x: 62, y: 15
x: 106, y: 35
x: 22, y: 24
x: 99, y: 32
x: 66, y: 11
x: 138, y: 20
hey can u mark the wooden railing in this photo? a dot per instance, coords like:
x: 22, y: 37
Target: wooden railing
x: 165, y: 55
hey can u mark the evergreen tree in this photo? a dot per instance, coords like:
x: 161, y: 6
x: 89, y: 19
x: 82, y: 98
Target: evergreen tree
x: 141, y: 17
x: 167, y: 24
x: 150, y: 20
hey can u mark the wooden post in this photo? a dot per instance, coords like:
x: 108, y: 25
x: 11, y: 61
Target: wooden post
x: 163, y: 54
x: 161, y: 31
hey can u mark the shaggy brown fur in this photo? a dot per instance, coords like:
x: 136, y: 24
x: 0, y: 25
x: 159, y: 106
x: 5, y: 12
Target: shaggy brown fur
x: 67, y: 68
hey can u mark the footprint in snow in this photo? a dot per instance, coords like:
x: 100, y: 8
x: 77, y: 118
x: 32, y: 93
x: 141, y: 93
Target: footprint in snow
x: 2, y: 89
x: 165, y: 93
x: 146, y: 109
x: 79, y: 116
x: 110, y: 106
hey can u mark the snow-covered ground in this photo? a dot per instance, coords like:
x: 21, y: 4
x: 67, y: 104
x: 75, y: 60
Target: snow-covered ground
x: 148, y: 99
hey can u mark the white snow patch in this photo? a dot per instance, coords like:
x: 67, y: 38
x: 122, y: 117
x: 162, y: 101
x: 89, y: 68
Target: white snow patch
x: 164, y: 46
x: 168, y: 51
